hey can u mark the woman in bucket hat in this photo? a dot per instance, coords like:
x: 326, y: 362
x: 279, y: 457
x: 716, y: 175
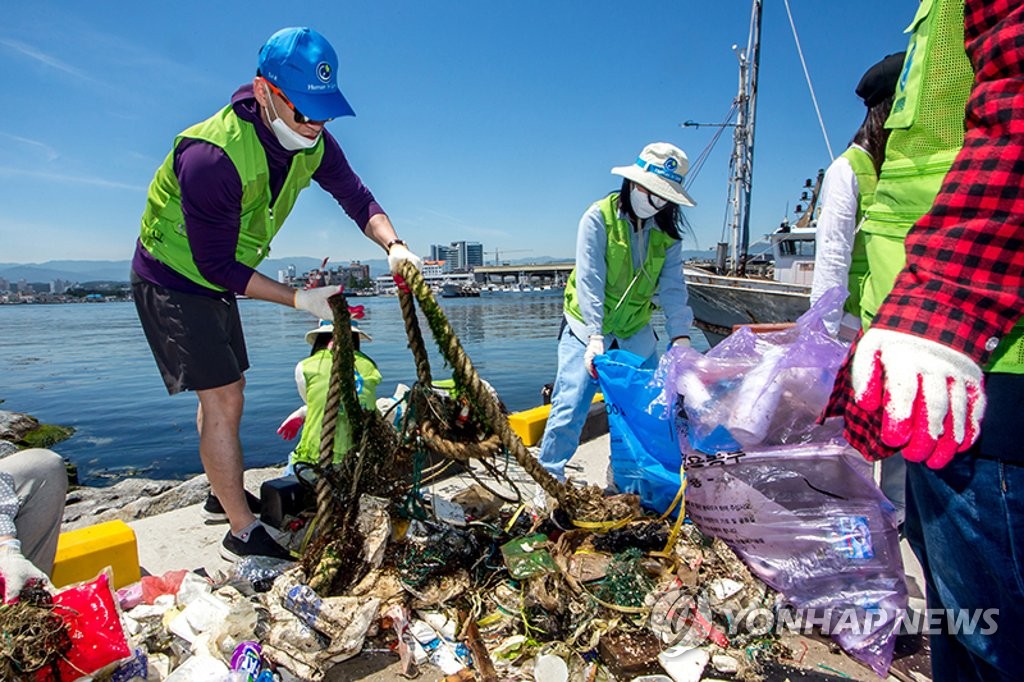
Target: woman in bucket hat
x: 313, y: 379
x: 627, y: 251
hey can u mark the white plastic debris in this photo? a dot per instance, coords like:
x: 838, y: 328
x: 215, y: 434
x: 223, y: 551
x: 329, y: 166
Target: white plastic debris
x: 199, y: 669
x: 374, y: 524
x: 725, y: 664
x: 724, y: 588
x: 684, y: 664
x: 550, y: 668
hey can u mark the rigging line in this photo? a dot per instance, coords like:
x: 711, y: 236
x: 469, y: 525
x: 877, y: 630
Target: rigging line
x: 698, y: 163
x: 807, y: 75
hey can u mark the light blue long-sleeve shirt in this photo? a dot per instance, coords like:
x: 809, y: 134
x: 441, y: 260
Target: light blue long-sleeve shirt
x: 591, y: 271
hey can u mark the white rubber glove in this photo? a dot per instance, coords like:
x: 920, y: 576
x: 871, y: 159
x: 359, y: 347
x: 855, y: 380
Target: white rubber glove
x: 315, y: 301
x: 16, y: 570
x: 681, y: 341
x: 932, y: 396
x: 400, y: 253
x: 594, y: 348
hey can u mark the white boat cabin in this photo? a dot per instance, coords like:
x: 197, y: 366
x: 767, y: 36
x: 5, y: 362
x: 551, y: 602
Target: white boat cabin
x: 793, y: 250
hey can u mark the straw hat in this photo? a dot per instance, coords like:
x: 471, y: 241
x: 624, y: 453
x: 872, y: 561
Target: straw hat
x: 328, y: 328
x: 660, y: 168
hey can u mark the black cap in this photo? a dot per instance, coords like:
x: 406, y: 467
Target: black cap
x: 879, y: 81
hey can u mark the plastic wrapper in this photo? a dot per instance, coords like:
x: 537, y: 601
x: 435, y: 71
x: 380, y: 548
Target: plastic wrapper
x: 526, y: 557
x: 259, y: 572
x: 757, y: 390
x: 339, y: 627
x: 810, y: 522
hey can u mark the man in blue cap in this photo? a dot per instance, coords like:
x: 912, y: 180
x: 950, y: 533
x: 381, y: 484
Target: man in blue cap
x: 213, y: 208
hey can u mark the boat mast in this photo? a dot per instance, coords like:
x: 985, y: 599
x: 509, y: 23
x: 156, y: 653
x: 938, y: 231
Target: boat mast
x: 742, y: 161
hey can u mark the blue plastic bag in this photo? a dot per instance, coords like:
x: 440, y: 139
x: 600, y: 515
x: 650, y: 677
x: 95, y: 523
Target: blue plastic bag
x: 645, y: 453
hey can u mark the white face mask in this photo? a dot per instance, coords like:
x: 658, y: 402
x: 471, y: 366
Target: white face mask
x: 288, y: 138
x: 645, y: 205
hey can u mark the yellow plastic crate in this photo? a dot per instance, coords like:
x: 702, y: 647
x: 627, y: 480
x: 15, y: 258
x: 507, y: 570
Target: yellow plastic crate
x: 529, y: 424
x: 83, y: 553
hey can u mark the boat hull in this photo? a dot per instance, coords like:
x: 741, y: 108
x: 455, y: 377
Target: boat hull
x: 719, y: 302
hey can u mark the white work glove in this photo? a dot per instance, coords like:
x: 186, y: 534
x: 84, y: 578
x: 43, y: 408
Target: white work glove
x: 400, y: 253
x: 315, y: 301
x: 594, y: 348
x: 16, y: 570
x: 932, y: 396
x: 681, y: 342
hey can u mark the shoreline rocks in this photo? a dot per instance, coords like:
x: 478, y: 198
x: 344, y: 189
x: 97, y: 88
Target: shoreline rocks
x: 137, y: 498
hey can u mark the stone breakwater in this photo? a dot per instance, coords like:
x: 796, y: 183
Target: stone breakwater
x: 137, y: 498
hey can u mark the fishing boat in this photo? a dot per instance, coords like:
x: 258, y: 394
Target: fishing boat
x: 724, y: 293
x: 459, y: 290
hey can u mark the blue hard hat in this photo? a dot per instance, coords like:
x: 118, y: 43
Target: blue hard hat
x: 304, y: 66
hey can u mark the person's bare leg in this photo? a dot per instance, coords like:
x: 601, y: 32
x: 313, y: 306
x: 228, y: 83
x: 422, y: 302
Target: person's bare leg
x: 218, y: 419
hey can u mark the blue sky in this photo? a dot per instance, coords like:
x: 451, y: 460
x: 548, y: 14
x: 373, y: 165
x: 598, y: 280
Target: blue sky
x: 489, y: 122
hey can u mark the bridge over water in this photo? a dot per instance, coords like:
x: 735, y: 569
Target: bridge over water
x: 532, y: 274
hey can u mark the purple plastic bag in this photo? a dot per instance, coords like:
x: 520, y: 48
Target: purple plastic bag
x: 810, y: 522
x: 755, y: 390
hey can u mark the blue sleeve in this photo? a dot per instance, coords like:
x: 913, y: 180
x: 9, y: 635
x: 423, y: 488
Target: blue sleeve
x: 591, y: 269
x: 672, y: 293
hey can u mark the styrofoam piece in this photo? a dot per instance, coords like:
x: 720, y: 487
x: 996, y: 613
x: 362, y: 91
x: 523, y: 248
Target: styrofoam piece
x: 684, y: 664
x: 550, y: 668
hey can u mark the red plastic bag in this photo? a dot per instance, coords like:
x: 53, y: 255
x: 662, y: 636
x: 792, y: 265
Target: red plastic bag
x: 94, y: 624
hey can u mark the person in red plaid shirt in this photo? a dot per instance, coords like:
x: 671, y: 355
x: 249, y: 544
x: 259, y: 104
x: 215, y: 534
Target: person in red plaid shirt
x: 914, y: 382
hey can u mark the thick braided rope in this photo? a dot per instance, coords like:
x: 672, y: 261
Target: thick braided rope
x: 466, y: 376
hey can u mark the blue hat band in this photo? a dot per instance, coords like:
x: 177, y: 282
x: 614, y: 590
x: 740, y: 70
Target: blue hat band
x: 659, y: 170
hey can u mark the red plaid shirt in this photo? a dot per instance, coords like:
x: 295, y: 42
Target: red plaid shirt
x: 963, y: 285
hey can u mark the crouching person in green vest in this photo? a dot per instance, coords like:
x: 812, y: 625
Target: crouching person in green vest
x: 627, y: 252
x: 313, y: 379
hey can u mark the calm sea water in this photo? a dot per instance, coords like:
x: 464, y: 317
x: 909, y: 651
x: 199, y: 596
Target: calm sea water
x: 88, y: 366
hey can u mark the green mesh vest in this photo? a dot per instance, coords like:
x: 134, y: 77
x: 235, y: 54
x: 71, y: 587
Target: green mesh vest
x: 864, y: 168
x: 316, y: 370
x: 627, y: 292
x: 927, y: 123
x: 163, y: 226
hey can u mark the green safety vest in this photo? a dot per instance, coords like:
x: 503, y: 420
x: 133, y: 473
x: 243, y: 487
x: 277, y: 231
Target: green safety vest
x: 927, y: 123
x: 867, y: 177
x: 627, y: 292
x: 316, y: 369
x: 163, y: 225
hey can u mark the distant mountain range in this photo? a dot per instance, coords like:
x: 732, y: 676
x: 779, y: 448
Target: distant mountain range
x: 117, y: 270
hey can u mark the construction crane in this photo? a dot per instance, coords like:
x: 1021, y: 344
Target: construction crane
x: 505, y: 251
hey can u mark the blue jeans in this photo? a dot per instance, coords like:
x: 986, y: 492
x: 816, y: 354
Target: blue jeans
x: 570, y: 402
x: 965, y: 523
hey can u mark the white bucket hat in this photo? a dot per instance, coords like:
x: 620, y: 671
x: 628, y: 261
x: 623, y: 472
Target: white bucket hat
x: 328, y: 328
x: 660, y: 168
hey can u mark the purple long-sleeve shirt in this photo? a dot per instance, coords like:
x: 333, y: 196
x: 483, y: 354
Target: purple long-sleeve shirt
x: 211, y: 201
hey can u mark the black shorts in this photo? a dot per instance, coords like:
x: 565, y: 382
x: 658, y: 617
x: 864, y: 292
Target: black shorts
x: 196, y: 340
